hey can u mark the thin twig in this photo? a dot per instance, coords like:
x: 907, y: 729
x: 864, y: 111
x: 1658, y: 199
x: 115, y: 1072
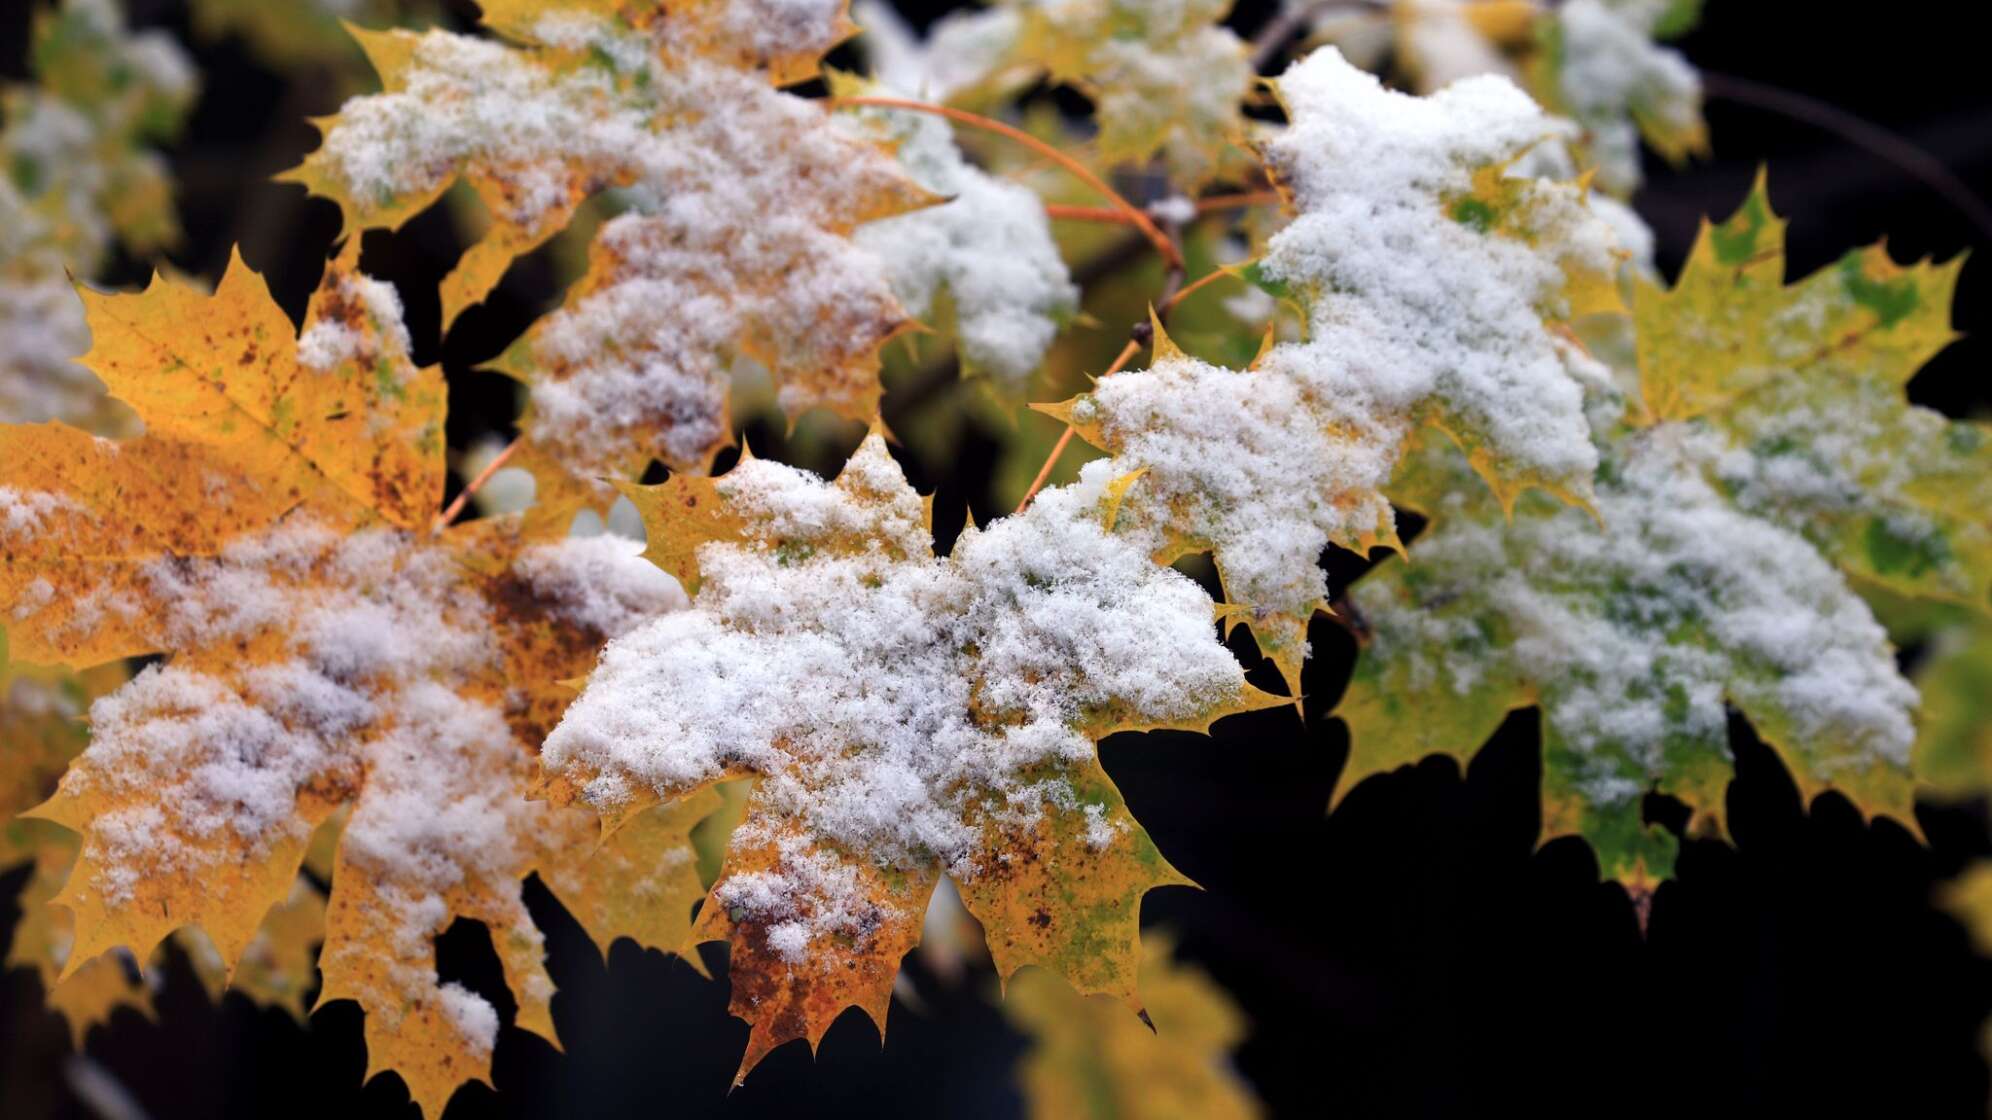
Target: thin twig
x: 456, y: 508
x: 1890, y: 146
x: 1044, y: 472
x: 1135, y: 216
x: 1169, y: 303
x: 1210, y: 204
x: 1060, y: 211
x: 1171, y: 283
x: 1214, y: 202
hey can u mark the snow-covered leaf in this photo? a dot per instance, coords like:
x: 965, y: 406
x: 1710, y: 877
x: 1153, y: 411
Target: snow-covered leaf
x: 906, y: 716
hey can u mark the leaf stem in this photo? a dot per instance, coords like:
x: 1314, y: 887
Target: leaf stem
x: 457, y: 507
x: 1062, y: 212
x: 1208, y: 205
x: 1044, y: 472
x: 1134, y: 214
x: 1166, y: 305
x: 1211, y: 203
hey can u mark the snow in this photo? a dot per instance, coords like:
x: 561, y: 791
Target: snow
x: 1637, y: 634
x: 1413, y: 315
x: 989, y: 246
x: 23, y: 512
x: 472, y: 1015
x: 962, y: 49
x: 743, y: 202
x: 332, y: 341
x: 1440, y: 45
x: 599, y: 584
x: 1611, y: 70
x: 1176, y: 210
x: 1181, y: 87
x: 891, y: 702
x: 372, y: 663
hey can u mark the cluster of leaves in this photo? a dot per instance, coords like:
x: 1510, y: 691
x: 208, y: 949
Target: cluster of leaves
x: 272, y: 531
x: 1770, y: 443
x: 76, y: 179
x: 1643, y: 503
x: 1600, y: 63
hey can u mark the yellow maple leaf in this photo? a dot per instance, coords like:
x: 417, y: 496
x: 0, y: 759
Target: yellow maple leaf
x: 1167, y: 79
x: 1089, y: 1060
x: 272, y: 533
x: 737, y: 246
x: 1807, y: 382
x: 906, y: 716
x: 1268, y: 466
x: 1729, y: 323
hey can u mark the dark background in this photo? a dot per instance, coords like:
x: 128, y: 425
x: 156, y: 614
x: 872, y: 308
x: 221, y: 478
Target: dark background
x: 1412, y: 954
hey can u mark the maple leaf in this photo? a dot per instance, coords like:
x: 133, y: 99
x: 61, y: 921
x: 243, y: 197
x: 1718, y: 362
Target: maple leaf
x: 84, y: 994
x: 1599, y: 62
x: 1167, y: 82
x: 1631, y: 631
x: 80, y: 177
x: 737, y: 247
x: 272, y: 533
x: 1774, y: 445
x: 1730, y: 324
x: 1433, y: 285
x: 988, y: 249
x: 1088, y: 1058
x: 41, y: 730
x: 1954, y: 740
x: 1806, y: 382
x: 906, y: 716
x: 279, y: 965
x: 1166, y: 79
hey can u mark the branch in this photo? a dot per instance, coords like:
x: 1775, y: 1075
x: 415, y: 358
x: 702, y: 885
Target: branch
x: 1169, y: 303
x: 1211, y: 203
x: 1135, y: 216
x: 457, y: 507
x: 1060, y: 212
x: 1044, y: 472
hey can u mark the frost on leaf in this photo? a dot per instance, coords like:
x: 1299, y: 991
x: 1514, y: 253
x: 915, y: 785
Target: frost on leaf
x: 737, y: 246
x: 271, y: 534
x: 76, y: 179
x: 1432, y: 284
x: 906, y: 716
x: 1089, y: 1058
x: 989, y: 248
x: 1805, y: 385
